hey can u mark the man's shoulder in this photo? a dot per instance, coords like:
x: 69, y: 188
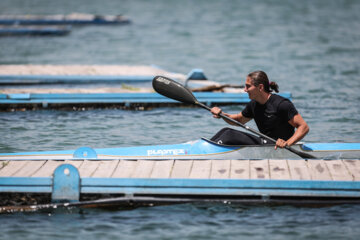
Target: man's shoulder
x: 252, y: 104
x: 278, y: 100
x: 278, y: 97
x: 283, y: 104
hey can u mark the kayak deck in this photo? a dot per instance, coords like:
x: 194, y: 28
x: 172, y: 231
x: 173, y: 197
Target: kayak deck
x: 198, y: 149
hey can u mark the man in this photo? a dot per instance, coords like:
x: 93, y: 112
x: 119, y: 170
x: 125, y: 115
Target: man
x: 274, y: 115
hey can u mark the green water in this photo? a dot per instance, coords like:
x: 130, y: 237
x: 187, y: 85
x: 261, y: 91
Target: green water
x: 310, y: 48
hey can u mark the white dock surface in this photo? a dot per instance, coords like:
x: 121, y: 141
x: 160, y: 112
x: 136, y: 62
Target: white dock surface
x: 328, y: 170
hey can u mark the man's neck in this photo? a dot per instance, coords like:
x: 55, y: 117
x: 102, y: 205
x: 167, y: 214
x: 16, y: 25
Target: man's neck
x: 263, y: 98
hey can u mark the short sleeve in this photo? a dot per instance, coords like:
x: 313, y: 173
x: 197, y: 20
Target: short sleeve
x: 248, y: 111
x: 287, y: 110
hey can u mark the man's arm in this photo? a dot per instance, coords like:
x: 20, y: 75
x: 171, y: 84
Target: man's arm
x: 301, y: 130
x: 238, y: 117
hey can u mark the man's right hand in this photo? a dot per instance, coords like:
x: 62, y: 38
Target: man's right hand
x: 216, y: 111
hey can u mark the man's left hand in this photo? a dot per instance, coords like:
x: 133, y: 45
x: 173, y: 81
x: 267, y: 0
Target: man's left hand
x: 280, y: 143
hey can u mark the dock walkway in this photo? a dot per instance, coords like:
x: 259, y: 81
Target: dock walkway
x: 233, y: 180
x: 55, y: 74
x: 327, y: 170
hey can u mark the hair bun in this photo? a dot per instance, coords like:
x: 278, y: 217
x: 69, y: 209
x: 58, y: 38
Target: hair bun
x: 274, y: 86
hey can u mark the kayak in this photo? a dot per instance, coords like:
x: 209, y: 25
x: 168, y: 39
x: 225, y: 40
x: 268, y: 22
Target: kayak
x: 194, y: 150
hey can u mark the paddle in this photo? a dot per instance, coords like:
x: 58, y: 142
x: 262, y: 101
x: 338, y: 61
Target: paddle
x: 174, y: 90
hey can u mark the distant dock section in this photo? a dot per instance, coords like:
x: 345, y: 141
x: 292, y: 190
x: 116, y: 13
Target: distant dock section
x: 77, y: 74
x: 73, y: 19
x: 43, y: 30
x: 30, y: 87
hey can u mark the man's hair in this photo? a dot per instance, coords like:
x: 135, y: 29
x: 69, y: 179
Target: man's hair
x: 260, y: 77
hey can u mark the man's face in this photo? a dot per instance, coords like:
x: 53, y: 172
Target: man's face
x: 251, y: 89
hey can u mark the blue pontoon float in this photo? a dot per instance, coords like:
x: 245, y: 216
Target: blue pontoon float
x: 17, y: 30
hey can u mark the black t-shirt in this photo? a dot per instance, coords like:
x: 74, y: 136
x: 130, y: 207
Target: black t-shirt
x: 272, y: 117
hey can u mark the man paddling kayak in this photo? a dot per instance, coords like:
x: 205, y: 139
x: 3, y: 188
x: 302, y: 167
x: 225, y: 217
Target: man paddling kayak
x: 274, y: 116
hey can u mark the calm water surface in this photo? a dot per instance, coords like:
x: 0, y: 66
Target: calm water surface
x: 310, y: 48
x: 188, y: 221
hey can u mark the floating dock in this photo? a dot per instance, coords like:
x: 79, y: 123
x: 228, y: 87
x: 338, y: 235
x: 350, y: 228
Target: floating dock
x: 80, y: 74
x: 232, y: 181
x: 17, y: 30
x: 74, y: 19
x: 93, y: 86
x: 116, y: 100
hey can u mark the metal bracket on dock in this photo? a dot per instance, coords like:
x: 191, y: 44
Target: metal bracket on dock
x: 195, y: 74
x: 66, y: 184
x: 85, y: 153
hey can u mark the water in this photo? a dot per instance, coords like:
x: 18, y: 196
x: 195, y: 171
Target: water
x: 188, y: 221
x: 310, y: 48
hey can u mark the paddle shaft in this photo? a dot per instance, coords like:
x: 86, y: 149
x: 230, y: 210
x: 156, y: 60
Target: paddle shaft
x: 301, y: 154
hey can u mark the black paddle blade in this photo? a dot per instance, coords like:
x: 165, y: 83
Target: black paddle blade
x: 174, y: 90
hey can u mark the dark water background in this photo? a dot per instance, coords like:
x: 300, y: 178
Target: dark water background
x: 310, y: 48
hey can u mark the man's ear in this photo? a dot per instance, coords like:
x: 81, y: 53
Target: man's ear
x: 261, y: 87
